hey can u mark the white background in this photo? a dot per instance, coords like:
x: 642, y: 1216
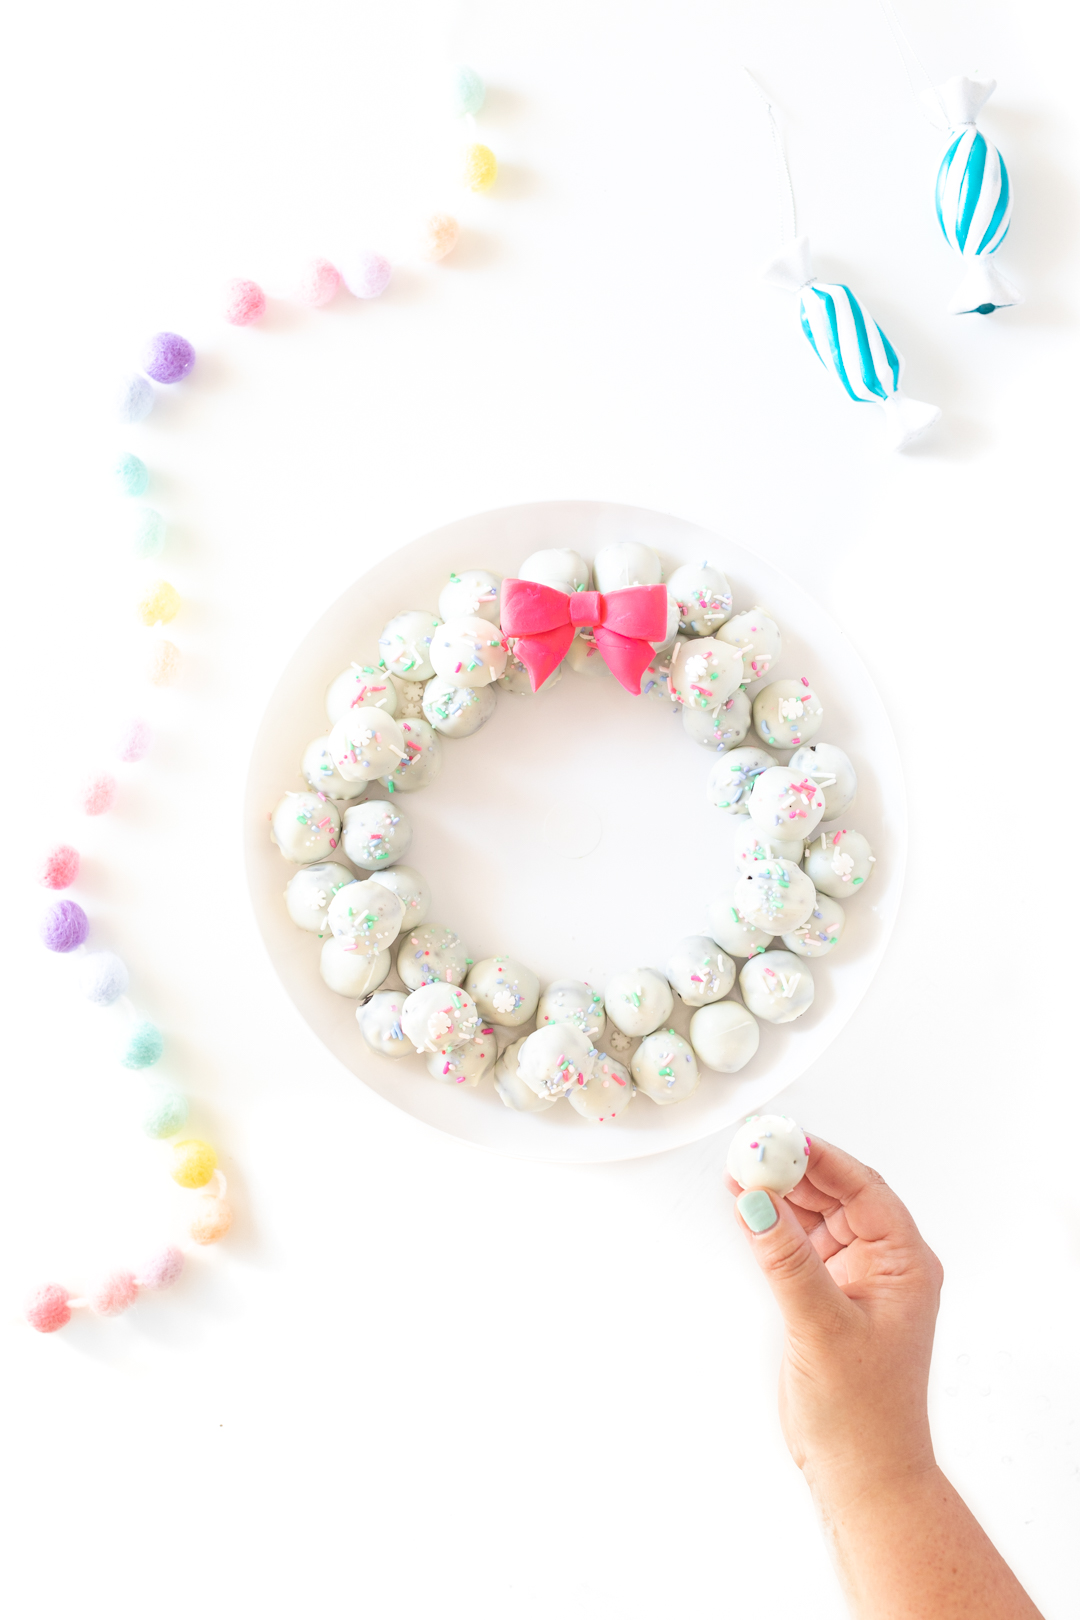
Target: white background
x: 418, y: 1378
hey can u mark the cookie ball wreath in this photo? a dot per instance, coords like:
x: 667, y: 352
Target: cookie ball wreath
x: 437, y: 679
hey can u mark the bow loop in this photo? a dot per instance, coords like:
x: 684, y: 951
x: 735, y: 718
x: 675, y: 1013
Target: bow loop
x: 542, y: 622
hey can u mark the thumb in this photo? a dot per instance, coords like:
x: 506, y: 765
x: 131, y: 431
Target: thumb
x: 803, y: 1288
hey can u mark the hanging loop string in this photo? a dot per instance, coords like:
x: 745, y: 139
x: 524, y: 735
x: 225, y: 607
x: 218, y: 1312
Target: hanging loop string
x: 787, y: 190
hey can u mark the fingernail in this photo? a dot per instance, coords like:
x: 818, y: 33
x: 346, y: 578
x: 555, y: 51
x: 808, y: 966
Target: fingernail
x: 757, y: 1210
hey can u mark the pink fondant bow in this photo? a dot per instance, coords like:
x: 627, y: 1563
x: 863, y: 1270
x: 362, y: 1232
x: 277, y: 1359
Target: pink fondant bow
x: 624, y: 623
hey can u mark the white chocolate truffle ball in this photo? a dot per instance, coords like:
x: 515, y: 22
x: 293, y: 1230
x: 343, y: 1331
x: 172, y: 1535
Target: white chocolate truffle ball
x: 375, y: 834
x: 833, y: 772
x: 732, y: 778
x: 725, y: 1036
x: 380, y: 1024
x: 511, y: 1088
x: 364, y: 744
x: 561, y: 570
x: 704, y: 673
x: 464, y: 1065
x: 626, y: 562
x: 438, y: 1016
x: 361, y: 686
x: 775, y: 896
x: 474, y: 594
x: 839, y: 863
x: 821, y: 930
x: 671, y: 629
x: 405, y: 644
x: 786, y: 802
x: 757, y: 638
x: 638, y: 1002
x: 703, y: 595
x: 470, y: 652
x: 572, y: 1001
x: 411, y: 890
x: 317, y: 769
x: 305, y: 826
x: 310, y: 892
x: 656, y: 678
x: 752, y: 845
x: 347, y: 971
x: 505, y: 991
x: 457, y: 711
x: 769, y: 1152
x: 664, y: 1068
x: 422, y: 762
x: 607, y: 1091
x: 722, y: 728
x: 410, y: 698
x: 516, y: 680
x: 431, y: 954
x: 699, y: 971
x: 787, y: 713
x: 776, y: 986
x: 583, y: 656
x: 733, y: 933
x: 368, y: 915
x: 554, y: 1059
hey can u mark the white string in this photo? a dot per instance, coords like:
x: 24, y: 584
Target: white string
x: 909, y: 54
x: 787, y: 191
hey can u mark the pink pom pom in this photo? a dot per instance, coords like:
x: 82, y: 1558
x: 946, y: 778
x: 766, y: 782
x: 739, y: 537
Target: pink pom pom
x: 115, y: 1294
x: 245, y: 302
x: 135, y: 742
x: 98, y: 794
x: 60, y: 867
x: 318, y: 284
x: 48, y: 1308
x: 162, y: 1270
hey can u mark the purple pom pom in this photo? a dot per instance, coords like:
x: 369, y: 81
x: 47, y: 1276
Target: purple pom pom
x: 65, y: 926
x: 168, y: 357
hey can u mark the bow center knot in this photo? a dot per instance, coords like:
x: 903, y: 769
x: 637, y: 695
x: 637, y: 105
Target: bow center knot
x: 586, y: 609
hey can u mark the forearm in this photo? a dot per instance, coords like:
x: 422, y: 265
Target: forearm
x: 907, y: 1548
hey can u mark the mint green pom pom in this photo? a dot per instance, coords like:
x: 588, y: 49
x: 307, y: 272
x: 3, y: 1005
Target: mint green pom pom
x: 167, y: 1114
x: 148, y: 536
x: 132, y: 475
x: 468, y: 90
x: 145, y: 1045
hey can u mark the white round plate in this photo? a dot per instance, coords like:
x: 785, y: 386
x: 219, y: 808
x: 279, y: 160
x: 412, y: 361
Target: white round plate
x: 572, y: 831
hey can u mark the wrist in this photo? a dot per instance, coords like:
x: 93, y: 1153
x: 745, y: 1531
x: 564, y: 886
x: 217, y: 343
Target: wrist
x: 838, y: 1483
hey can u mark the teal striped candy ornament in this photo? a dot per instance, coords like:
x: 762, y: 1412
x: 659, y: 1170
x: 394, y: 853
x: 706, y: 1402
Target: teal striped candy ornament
x: 973, y: 199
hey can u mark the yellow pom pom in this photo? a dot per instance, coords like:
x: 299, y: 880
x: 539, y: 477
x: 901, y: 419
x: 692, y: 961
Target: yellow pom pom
x: 159, y: 603
x: 440, y: 236
x: 164, y: 665
x: 211, y: 1220
x: 480, y: 168
x: 193, y: 1163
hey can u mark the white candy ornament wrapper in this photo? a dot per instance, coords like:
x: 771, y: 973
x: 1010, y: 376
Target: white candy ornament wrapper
x: 973, y: 200
x: 850, y: 343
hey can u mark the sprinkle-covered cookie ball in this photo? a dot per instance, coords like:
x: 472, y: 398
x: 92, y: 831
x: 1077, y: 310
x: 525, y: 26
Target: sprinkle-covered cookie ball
x: 361, y: 686
x: 758, y: 639
x: 786, y: 802
x: 833, y: 772
x: 723, y: 728
x: 457, y: 711
x: 367, y: 914
x: 431, y: 954
x: 511, y: 1088
x: 583, y: 656
x: 703, y: 595
x: 820, y: 932
x: 405, y: 644
x: 699, y: 971
x: 725, y: 1036
x: 731, y: 931
x: 638, y: 1002
x: 423, y: 758
x: 365, y: 744
x: 774, y: 895
x: 563, y: 570
x: 410, y: 698
x: 375, y: 834
x: 655, y: 678
x: 465, y: 1065
x: 732, y: 778
x: 704, y: 673
x: 516, y: 680
x: 347, y: 971
x: 839, y: 863
x: 777, y: 986
x: 411, y: 890
x: 505, y: 991
x: 787, y: 713
x: 470, y: 652
x: 310, y: 892
x: 768, y: 1151
x: 474, y: 593
x: 606, y: 1093
x: 305, y: 826
x: 554, y: 1059
x: 671, y: 629
x: 664, y: 1067
x: 380, y: 1024
x: 439, y: 1016
x: 572, y: 1001
x: 626, y: 562
x: 317, y: 769
x: 752, y: 845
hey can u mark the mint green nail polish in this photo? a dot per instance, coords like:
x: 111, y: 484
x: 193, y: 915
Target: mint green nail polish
x: 757, y: 1210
